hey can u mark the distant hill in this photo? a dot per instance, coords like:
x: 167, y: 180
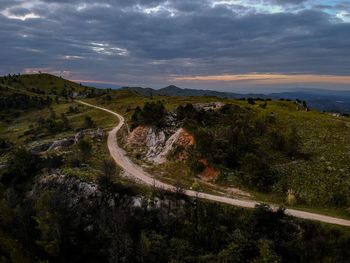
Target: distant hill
x: 322, y: 100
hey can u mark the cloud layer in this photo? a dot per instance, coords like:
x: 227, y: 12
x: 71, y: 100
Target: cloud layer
x: 152, y: 42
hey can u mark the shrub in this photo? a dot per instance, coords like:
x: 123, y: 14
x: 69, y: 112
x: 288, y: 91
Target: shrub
x: 257, y: 173
x: 88, y: 123
x: 251, y: 101
x: 85, y: 149
x: 109, y: 171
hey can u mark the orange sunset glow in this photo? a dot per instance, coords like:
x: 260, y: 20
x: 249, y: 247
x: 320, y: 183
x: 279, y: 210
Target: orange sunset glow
x: 269, y: 78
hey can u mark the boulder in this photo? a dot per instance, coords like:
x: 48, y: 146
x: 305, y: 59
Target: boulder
x: 39, y: 148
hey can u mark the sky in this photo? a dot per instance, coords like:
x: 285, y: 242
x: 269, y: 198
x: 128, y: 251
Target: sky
x: 226, y: 45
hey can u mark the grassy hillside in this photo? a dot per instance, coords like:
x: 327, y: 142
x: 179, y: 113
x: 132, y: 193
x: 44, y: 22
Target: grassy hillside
x: 35, y: 112
x: 318, y: 178
x: 43, y: 84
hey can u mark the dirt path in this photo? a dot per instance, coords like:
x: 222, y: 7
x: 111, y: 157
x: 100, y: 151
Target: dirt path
x: 136, y: 172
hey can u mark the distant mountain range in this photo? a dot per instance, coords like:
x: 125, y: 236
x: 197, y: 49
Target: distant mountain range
x: 322, y: 100
x: 173, y: 90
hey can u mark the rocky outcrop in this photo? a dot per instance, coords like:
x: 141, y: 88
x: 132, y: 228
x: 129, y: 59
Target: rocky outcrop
x: 181, y: 138
x: 169, y: 145
x: 66, y: 142
x: 153, y: 145
x: 208, y: 106
x: 39, y: 147
x: 147, y: 141
x: 75, y: 189
x: 94, y: 134
x: 98, y: 134
x: 170, y: 122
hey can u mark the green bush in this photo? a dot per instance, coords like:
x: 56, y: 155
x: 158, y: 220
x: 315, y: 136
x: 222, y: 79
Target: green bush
x: 257, y: 173
x: 85, y: 149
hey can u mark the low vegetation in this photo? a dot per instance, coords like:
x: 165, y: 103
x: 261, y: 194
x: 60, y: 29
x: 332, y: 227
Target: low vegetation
x: 59, y: 219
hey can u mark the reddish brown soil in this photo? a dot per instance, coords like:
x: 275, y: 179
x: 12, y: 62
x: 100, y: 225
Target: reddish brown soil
x: 209, y: 173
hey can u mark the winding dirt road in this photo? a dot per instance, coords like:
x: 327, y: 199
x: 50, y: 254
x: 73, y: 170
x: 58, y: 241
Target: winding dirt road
x: 136, y: 172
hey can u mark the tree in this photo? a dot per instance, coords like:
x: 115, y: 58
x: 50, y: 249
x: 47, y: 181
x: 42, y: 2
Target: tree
x: 135, y: 118
x: 109, y: 171
x: 293, y: 143
x: 152, y: 114
x: 257, y: 172
x: 46, y: 220
x: 267, y: 255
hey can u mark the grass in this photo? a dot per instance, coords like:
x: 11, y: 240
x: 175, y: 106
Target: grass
x: 14, y: 130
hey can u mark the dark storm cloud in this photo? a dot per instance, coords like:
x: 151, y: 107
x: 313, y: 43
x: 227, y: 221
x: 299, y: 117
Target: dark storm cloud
x: 131, y: 41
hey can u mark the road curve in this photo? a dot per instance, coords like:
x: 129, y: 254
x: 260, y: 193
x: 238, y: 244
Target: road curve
x: 136, y: 172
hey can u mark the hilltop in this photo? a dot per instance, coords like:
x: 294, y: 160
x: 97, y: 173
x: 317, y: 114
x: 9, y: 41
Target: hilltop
x: 43, y: 84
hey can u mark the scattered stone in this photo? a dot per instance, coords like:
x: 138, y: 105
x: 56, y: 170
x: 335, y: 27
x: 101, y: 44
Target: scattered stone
x: 208, y: 106
x: 56, y: 145
x: 66, y: 142
x: 94, y: 134
x: 39, y: 148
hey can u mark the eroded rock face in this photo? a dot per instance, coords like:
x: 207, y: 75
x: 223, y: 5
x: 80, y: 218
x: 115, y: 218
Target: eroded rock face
x: 147, y: 141
x: 185, y: 139
x: 181, y: 138
x: 208, y: 173
x: 169, y: 145
x: 154, y: 146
